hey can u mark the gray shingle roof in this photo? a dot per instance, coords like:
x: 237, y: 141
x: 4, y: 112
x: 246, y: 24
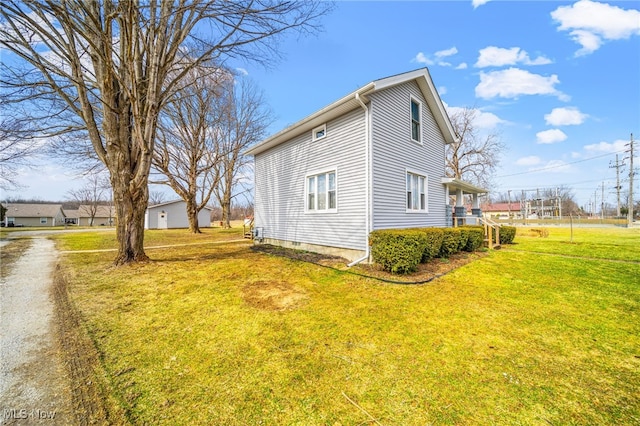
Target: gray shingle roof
x: 33, y: 210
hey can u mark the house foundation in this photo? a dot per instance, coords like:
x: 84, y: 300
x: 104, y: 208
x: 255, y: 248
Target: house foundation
x: 347, y: 253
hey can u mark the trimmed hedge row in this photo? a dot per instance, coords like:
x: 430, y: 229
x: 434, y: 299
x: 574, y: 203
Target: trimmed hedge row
x: 401, y: 250
x: 398, y: 250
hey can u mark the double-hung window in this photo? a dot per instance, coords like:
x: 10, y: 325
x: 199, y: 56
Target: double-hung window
x: 322, y: 192
x: 415, y: 120
x: 416, y: 192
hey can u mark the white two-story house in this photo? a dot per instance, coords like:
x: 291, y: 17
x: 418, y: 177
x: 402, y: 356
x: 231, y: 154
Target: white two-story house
x: 374, y: 159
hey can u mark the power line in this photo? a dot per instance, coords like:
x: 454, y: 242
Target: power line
x: 561, y: 165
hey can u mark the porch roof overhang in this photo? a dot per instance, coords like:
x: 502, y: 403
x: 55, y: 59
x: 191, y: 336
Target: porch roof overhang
x: 466, y: 187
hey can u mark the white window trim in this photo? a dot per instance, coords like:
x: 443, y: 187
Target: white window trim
x: 420, y: 132
x: 322, y: 128
x: 306, y: 191
x: 44, y: 220
x: 426, y: 192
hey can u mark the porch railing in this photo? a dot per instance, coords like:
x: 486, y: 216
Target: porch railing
x: 491, y: 228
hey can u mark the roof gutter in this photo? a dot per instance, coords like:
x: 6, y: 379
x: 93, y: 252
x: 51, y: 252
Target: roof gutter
x: 367, y: 168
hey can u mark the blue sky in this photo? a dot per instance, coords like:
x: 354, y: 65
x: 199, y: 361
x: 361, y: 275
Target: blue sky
x: 559, y: 80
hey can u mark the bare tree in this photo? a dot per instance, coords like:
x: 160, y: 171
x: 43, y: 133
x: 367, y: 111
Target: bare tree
x: 187, y: 149
x: 92, y: 194
x: 245, y: 119
x: 156, y: 197
x: 475, y: 156
x: 17, y: 149
x: 107, y: 68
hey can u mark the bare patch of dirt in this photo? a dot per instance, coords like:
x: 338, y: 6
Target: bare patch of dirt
x: 425, y: 273
x: 305, y: 256
x: 273, y: 296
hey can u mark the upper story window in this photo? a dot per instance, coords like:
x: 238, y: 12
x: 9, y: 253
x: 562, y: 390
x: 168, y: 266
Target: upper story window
x: 415, y: 120
x: 416, y: 192
x: 319, y: 132
x: 322, y: 192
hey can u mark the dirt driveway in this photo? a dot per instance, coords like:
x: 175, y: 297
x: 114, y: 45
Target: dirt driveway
x: 34, y: 386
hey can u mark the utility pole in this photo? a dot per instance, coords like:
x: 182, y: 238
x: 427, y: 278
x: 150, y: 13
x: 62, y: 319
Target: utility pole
x: 617, y: 166
x: 509, y: 206
x: 631, y: 175
x: 602, y: 203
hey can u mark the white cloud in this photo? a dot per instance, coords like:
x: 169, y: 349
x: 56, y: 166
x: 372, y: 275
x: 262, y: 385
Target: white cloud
x: 442, y: 90
x: 487, y: 120
x: 493, y: 56
x: 531, y: 160
x: 591, y: 23
x: 438, y: 58
x: 462, y: 66
x: 447, y: 52
x: 550, y: 136
x: 242, y: 71
x: 513, y: 82
x: 616, y: 146
x: 565, y: 117
x: 481, y: 119
x: 421, y: 58
x: 478, y: 3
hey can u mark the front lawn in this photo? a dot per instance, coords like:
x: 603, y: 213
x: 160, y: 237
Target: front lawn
x: 220, y: 334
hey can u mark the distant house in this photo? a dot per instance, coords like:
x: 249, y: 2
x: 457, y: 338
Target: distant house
x: 174, y: 215
x: 374, y: 159
x: 23, y: 214
x: 502, y: 210
x: 102, y: 216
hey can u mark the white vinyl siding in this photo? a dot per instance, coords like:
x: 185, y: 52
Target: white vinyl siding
x: 176, y: 216
x: 282, y: 196
x: 393, y: 157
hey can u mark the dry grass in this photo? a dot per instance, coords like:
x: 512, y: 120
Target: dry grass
x: 10, y: 252
x: 221, y: 334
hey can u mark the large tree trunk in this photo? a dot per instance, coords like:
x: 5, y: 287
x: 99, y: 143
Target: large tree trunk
x: 130, y: 209
x: 192, y: 214
x: 226, y: 213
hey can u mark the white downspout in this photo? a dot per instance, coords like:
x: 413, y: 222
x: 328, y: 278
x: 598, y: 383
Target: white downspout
x: 367, y: 190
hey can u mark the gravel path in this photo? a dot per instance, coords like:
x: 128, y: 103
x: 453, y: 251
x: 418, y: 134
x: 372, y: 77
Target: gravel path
x: 34, y: 388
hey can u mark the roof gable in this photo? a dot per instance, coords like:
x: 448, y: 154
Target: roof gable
x: 352, y: 101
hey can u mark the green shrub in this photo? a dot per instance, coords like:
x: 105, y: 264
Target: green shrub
x: 434, y: 242
x: 507, y: 234
x: 464, y: 238
x: 398, y: 250
x: 475, y: 237
x: 451, y: 241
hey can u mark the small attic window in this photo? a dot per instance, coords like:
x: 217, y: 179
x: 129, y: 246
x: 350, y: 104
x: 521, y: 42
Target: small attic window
x: 319, y: 132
